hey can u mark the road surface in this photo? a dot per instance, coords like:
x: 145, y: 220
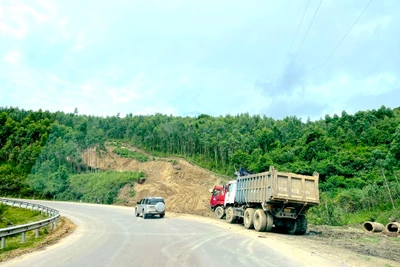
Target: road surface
x: 114, y: 236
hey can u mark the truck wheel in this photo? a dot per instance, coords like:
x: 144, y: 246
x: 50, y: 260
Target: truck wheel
x: 299, y: 226
x: 248, y: 218
x: 260, y: 220
x: 230, y: 218
x: 219, y: 212
x: 270, y: 222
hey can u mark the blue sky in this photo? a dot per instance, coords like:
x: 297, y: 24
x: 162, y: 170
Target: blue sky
x: 191, y: 57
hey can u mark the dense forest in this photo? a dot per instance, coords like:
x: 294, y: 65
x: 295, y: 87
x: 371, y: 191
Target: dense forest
x: 357, y: 156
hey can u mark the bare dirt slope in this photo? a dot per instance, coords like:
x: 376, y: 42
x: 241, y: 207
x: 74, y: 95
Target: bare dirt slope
x: 184, y: 186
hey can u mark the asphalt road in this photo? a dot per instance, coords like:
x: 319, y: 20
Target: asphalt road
x: 113, y: 236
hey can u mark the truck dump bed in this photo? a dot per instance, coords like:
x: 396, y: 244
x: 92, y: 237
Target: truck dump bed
x: 274, y: 186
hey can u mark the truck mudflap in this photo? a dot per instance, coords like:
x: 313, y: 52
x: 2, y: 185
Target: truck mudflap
x: 286, y: 210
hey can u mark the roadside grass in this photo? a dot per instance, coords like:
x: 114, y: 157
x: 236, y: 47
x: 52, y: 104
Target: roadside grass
x: 15, y: 242
x: 395, y: 239
x: 371, y: 239
x: 381, y: 215
x: 10, y: 216
x: 15, y: 247
x: 13, y: 216
x: 332, y: 212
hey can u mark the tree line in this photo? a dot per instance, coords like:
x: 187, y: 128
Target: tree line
x: 348, y: 151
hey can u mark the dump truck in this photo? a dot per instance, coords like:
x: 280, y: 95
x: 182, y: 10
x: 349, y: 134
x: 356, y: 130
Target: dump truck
x: 270, y: 200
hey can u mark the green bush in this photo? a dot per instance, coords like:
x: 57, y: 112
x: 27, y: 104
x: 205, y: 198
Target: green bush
x: 100, y: 187
x: 355, y: 206
x: 125, y: 153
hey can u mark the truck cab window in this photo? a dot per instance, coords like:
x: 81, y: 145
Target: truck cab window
x: 216, y: 192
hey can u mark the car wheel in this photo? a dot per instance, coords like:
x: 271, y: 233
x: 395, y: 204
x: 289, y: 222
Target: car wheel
x: 144, y: 214
x: 162, y: 215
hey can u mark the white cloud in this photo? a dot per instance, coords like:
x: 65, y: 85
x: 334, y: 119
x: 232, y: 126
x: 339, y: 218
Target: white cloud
x: 382, y: 78
x: 369, y: 28
x: 122, y: 95
x: 13, y: 57
x: 152, y: 110
x: 49, y: 6
x: 87, y: 89
x: 17, y: 19
x: 63, y: 22
x: 80, y: 41
x: 55, y: 79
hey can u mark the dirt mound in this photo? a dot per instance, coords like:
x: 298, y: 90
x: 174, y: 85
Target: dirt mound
x: 184, y: 186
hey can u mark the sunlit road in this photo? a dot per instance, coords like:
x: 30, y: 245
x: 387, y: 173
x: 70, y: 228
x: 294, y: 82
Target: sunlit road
x: 113, y: 236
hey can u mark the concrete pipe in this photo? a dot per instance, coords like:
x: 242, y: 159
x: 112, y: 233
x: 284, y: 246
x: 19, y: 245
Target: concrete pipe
x: 393, y: 227
x: 373, y: 227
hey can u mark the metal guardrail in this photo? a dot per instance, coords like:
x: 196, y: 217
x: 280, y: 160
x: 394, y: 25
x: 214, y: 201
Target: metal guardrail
x: 9, y: 231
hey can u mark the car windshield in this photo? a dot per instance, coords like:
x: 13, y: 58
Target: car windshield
x: 154, y: 201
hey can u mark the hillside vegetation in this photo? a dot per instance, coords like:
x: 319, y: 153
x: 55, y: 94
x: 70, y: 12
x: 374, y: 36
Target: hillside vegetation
x: 357, y: 156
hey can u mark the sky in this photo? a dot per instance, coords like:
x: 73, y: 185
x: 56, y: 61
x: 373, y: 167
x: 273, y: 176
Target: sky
x: 304, y: 58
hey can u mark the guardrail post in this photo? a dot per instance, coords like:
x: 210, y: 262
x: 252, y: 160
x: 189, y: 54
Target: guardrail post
x: 50, y: 224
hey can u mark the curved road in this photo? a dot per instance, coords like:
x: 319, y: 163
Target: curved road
x: 113, y: 236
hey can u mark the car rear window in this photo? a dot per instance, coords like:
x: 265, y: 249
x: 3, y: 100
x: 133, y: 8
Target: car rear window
x: 154, y: 201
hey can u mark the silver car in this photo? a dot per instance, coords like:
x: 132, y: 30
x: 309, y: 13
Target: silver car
x: 150, y: 206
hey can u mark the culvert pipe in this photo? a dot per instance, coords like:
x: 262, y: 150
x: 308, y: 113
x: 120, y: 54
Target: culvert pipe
x: 393, y: 227
x: 373, y: 227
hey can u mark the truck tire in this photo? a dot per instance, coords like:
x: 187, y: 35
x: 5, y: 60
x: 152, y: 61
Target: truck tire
x: 230, y: 217
x: 248, y: 218
x: 219, y: 212
x: 299, y: 226
x: 263, y: 221
x: 260, y: 220
x: 270, y: 222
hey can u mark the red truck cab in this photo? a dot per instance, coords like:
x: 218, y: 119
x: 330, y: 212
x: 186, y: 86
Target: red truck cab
x: 217, y: 200
x: 217, y: 197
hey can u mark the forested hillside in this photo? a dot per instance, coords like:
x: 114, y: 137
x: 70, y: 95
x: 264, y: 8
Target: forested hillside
x: 357, y: 156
